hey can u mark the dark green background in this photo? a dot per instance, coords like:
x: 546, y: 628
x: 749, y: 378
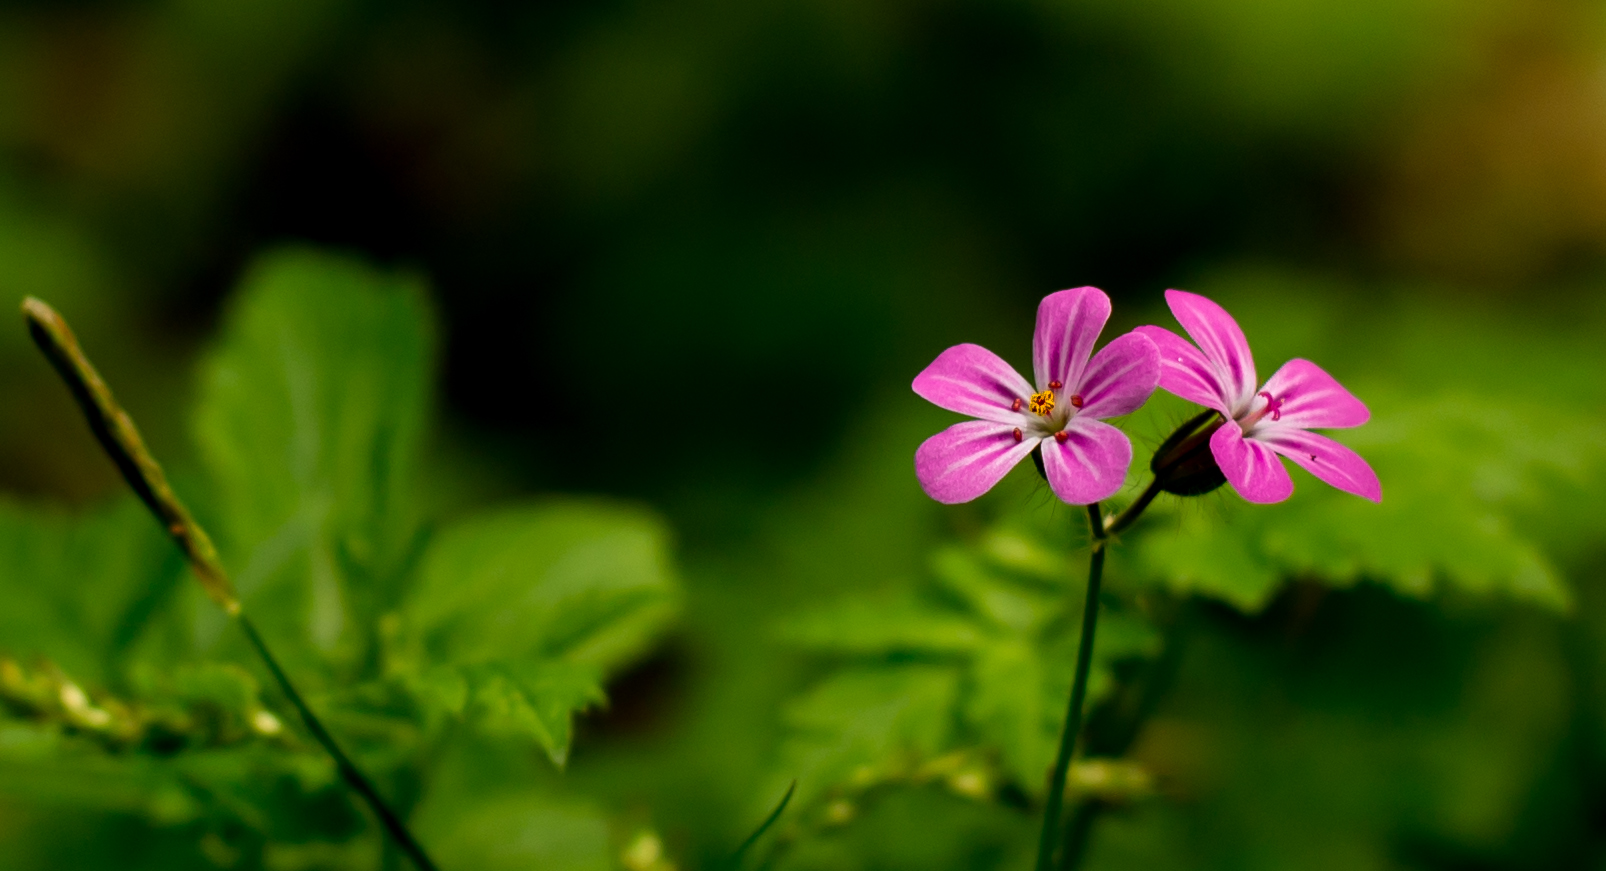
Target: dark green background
x: 692, y: 253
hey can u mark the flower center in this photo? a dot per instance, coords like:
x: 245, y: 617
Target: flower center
x: 1273, y: 407
x: 1042, y: 403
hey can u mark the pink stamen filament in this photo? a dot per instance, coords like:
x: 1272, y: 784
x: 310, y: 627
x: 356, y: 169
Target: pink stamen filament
x: 1273, y: 407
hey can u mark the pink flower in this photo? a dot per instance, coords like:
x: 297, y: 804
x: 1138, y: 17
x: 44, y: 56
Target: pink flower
x: 1084, y: 458
x: 1260, y: 424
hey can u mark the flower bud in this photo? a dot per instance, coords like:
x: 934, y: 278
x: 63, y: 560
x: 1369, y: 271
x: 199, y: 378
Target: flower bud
x: 1183, y: 465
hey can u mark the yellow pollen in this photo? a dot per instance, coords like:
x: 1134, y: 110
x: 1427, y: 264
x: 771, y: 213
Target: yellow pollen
x: 1043, y: 403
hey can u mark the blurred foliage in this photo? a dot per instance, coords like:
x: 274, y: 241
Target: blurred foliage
x: 310, y: 419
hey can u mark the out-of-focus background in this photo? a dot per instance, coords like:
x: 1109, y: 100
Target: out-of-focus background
x: 690, y: 255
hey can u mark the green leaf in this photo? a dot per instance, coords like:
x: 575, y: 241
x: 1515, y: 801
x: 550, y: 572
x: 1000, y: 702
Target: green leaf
x: 1012, y: 708
x: 861, y: 725
x: 80, y: 589
x: 536, y: 700
x: 870, y: 627
x: 1459, y: 479
x: 526, y: 609
x: 1491, y: 471
x: 587, y: 582
x: 311, y: 411
x: 515, y: 832
x: 1010, y: 607
x: 1008, y: 632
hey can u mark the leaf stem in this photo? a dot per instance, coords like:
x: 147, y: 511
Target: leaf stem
x: 1073, y: 714
x: 118, y: 436
x: 735, y: 860
x: 348, y: 769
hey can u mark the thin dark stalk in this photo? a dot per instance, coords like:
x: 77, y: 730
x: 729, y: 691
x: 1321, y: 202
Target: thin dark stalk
x: 735, y: 860
x: 116, y: 432
x: 348, y: 769
x: 117, y: 435
x: 1073, y: 714
x: 1077, y: 831
x: 1125, y: 731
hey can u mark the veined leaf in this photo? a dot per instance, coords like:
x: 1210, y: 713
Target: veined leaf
x: 1459, y: 480
x: 862, y: 723
x: 537, y: 700
x: 525, y: 610
x: 860, y: 627
x: 311, y: 412
x: 585, y: 582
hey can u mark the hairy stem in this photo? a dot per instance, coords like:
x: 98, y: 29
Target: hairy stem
x: 1121, y: 521
x: 116, y: 432
x: 1073, y: 714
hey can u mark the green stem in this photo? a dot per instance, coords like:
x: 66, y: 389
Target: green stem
x: 1073, y: 714
x: 1076, y: 833
x: 117, y: 435
x: 1121, y: 521
x: 116, y: 432
x: 735, y: 860
x: 348, y: 769
x: 1125, y: 731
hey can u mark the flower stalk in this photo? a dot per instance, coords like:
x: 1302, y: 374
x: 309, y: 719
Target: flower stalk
x: 1052, y: 809
x: 1182, y: 465
x: 121, y: 440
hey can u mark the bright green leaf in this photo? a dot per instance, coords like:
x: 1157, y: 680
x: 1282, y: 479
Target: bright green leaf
x: 863, y: 724
x: 311, y: 412
x: 868, y: 627
x: 1010, y: 708
x: 586, y: 582
x: 537, y: 700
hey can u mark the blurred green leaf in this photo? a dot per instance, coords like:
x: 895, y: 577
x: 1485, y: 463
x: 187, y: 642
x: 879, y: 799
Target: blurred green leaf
x: 863, y: 626
x: 1453, y: 470
x: 81, y: 589
x: 310, y: 417
x: 520, y: 613
x: 517, y: 831
x: 1009, y: 702
x: 989, y: 619
x: 1004, y: 603
x: 861, y: 725
x: 588, y: 582
x: 537, y: 700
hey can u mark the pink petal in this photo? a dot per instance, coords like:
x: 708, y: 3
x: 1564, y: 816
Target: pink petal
x: 1312, y: 398
x: 1251, y: 467
x: 1120, y: 377
x: 1324, y: 458
x: 1218, y: 336
x: 1090, y: 464
x: 972, y: 380
x: 1068, y: 322
x: 967, y: 459
x: 1185, y: 371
